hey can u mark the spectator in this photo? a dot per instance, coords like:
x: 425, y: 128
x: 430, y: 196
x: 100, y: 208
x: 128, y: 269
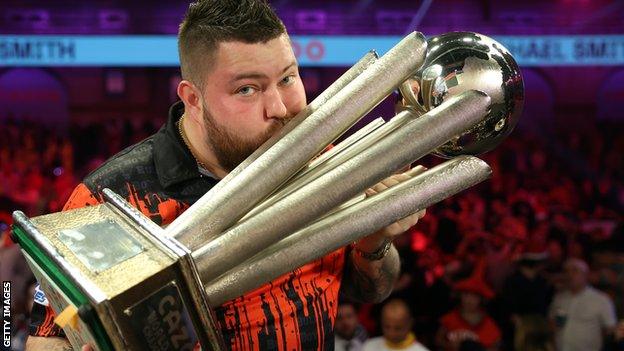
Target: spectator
x: 469, y: 321
x: 582, y: 315
x: 608, y: 267
x: 349, y: 333
x: 396, y: 324
x: 525, y: 292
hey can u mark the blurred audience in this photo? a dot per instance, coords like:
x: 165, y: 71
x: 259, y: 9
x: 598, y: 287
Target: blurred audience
x: 583, y: 316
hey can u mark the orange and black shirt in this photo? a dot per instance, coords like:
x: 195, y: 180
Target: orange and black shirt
x: 159, y: 176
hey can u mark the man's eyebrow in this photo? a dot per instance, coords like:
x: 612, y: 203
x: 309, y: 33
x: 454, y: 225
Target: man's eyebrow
x: 292, y: 64
x: 258, y: 75
x: 249, y: 75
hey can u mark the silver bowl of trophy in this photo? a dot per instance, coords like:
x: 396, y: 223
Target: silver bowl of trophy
x: 460, y: 61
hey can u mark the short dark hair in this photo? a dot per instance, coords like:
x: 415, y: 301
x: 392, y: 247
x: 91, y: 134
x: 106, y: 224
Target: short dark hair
x: 210, y: 22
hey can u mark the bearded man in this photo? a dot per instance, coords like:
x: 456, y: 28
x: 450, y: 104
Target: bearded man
x: 240, y: 85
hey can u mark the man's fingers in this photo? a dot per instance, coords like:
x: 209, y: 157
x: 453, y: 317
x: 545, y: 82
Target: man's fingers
x: 370, y: 192
x: 415, y: 171
x: 383, y: 185
x: 401, y: 177
x: 394, y: 180
x: 410, y: 221
x: 402, y: 225
x: 389, y: 182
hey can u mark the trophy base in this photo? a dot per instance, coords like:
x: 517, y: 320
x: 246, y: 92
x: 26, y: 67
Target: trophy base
x: 116, y: 283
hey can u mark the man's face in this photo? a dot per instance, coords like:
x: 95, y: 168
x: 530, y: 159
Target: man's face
x: 346, y: 322
x: 470, y: 301
x: 576, y: 277
x: 396, y: 326
x: 250, y: 92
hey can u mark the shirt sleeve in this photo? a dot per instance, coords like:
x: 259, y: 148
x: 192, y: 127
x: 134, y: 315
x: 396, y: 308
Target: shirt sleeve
x: 42, y: 316
x: 81, y: 197
x: 607, y: 313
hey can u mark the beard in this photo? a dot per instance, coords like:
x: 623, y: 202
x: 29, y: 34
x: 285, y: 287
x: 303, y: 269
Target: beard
x: 231, y: 149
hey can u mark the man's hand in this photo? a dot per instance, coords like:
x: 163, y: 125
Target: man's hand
x: 52, y: 343
x: 35, y: 343
x: 372, y: 280
x: 372, y: 242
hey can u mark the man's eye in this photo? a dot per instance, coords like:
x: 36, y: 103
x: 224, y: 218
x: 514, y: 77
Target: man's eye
x: 246, y: 91
x: 288, y: 80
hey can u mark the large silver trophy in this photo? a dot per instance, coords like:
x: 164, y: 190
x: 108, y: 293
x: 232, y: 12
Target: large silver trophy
x: 118, y: 281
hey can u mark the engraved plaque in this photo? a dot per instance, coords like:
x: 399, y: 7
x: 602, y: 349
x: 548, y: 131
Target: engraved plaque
x: 163, y: 321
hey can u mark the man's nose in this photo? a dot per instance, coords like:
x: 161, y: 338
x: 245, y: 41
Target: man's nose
x: 274, y: 104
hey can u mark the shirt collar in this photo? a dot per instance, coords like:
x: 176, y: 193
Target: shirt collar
x: 173, y: 160
x: 409, y: 340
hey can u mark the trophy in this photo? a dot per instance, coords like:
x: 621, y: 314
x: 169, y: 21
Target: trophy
x: 116, y: 280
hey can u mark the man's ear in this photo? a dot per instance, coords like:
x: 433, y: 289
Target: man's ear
x: 191, y: 97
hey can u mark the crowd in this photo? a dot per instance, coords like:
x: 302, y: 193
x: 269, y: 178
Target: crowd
x: 532, y: 259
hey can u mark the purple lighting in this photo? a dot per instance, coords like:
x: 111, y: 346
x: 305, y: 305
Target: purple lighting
x: 313, y: 20
x: 113, y: 19
x: 28, y: 18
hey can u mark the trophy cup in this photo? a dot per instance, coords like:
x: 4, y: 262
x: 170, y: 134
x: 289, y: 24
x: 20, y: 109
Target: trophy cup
x: 118, y: 281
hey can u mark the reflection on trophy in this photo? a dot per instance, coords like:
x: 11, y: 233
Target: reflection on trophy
x: 118, y: 281
x: 460, y: 61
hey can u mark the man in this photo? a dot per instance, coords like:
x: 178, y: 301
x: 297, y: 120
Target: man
x: 583, y: 316
x: 469, y: 321
x: 350, y: 334
x: 396, y: 325
x: 240, y: 85
x: 525, y: 293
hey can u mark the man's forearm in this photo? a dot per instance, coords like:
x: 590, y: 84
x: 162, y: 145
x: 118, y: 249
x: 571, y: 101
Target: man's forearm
x: 370, y: 281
